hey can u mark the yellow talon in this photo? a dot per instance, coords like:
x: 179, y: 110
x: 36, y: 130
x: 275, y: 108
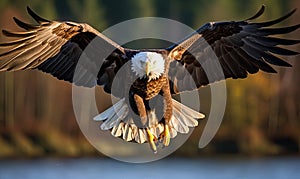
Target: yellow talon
x: 166, y: 136
x: 151, y: 140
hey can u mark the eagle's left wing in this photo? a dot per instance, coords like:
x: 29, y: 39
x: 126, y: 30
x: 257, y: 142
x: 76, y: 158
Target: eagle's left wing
x: 236, y: 47
x: 56, y: 47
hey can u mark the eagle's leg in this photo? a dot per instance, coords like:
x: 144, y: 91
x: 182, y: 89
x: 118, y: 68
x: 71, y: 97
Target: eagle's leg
x: 152, y: 140
x: 165, y: 135
x: 143, y: 115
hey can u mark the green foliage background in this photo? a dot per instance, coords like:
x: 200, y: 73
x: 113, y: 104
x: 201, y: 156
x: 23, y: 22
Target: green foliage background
x: 262, y: 114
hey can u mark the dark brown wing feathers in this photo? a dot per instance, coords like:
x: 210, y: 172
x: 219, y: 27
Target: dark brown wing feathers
x: 55, y: 47
x: 241, y: 47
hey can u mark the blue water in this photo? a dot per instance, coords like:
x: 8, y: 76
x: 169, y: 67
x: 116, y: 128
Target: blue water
x: 168, y: 168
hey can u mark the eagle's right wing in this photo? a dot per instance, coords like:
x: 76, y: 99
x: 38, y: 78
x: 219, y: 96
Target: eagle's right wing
x: 231, y: 49
x: 56, y: 47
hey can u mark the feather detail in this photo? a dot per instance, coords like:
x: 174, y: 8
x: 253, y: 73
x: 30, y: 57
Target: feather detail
x: 187, y: 111
x: 116, y: 119
x: 141, y: 136
x: 183, y: 117
x: 110, y: 111
x: 117, y: 130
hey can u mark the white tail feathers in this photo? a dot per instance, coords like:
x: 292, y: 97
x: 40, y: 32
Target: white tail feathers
x: 117, y: 120
x: 183, y: 117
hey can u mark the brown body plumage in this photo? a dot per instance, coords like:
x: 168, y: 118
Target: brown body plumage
x: 148, y: 89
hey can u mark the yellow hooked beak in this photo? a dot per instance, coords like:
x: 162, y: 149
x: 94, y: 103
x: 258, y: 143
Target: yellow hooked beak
x: 148, y: 68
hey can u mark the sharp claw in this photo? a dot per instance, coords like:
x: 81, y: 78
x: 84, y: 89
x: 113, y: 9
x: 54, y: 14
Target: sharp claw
x: 165, y: 136
x: 151, y: 140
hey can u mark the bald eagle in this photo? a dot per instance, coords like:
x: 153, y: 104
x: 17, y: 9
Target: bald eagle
x: 241, y: 47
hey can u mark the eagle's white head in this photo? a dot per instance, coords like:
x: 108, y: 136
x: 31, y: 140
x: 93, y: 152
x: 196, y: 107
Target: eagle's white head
x: 148, y: 64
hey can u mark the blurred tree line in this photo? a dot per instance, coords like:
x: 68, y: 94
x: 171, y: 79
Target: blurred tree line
x: 262, y: 113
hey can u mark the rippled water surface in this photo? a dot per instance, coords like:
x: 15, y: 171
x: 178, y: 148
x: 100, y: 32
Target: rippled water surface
x: 167, y: 168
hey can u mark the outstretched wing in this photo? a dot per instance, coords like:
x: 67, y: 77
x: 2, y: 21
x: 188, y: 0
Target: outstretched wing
x: 236, y: 47
x: 56, y: 47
